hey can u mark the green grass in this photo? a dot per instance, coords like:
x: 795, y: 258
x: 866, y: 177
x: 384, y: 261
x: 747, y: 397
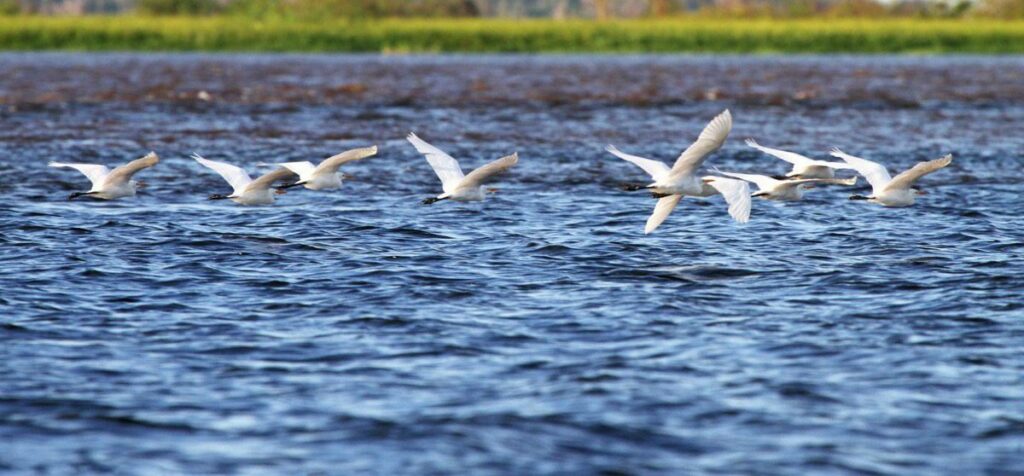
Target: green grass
x: 528, y: 36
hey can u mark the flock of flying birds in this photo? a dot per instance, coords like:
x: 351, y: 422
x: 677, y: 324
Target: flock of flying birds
x: 669, y: 186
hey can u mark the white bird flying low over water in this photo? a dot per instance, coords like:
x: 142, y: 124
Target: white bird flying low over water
x: 785, y: 190
x: 246, y: 191
x: 671, y: 184
x: 111, y: 184
x: 897, y: 191
x: 456, y: 186
x: 325, y: 175
x: 803, y: 167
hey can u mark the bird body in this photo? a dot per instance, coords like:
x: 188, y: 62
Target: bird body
x: 111, y: 184
x: 245, y: 190
x: 889, y: 191
x: 325, y: 176
x: 803, y: 167
x: 456, y: 186
x: 771, y: 188
x: 672, y: 184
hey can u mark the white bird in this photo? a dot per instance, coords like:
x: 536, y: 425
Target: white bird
x: 325, y: 176
x: 785, y: 190
x: 897, y: 191
x: 803, y: 167
x: 246, y: 191
x: 456, y: 186
x: 672, y: 184
x: 111, y: 184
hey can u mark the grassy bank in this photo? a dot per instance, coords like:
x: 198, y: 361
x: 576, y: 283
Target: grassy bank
x: 479, y: 35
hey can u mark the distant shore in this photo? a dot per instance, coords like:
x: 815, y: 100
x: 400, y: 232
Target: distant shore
x: 681, y: 35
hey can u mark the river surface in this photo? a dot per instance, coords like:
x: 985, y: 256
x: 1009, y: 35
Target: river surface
x: 538, y: 332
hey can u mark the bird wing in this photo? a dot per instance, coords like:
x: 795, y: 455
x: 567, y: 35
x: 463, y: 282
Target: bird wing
x: 833, y: 165
x: 791, y: 157
x: 95, y: 173
x: 661, y: 212
x: 907, y: 178
x: 303, y: 169
x: 736, y: 194
x: 710, y: 139
x: 235, y: 176
x: 330, y: 165
x: 267, y: 180
x: 446, y: 168
x: 125, y: 172
x: 763, y: 182
x: 653, y: 168
x: 482, y: 174
x: 873, y: 172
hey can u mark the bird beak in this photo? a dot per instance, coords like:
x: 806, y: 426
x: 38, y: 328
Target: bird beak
x: 280, y: 191
x: 808, y: 186
x: 140, y: 184
x: 345, y: 176
x: 492, y: 190
x: 921, y: 192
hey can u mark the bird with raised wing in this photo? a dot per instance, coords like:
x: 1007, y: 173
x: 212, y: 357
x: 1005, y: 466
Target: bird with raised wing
x: 325, y: 176
x: 245, y: 190
x: 803, y: 167
x: 770, y: 188
x: 111, y: 184
x: 456, y: 186
x: 898, y: 191
x: 672, y: 184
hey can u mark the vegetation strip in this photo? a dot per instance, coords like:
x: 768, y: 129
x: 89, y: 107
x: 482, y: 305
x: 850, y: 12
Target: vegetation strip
x: 141, y: 33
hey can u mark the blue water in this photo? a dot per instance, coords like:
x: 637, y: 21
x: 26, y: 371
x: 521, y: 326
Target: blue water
x: 359, y: 332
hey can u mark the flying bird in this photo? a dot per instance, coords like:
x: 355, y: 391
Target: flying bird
x: 325, y: 176
x: 456, y: 186
x: 785, y: 190
x: 803, y: 167
x: 672, y: 184
x: 246, y: 191
x: 897, y: 191
x: 111, y: 184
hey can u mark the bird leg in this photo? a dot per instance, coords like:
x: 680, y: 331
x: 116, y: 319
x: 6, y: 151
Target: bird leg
x: 218, y: 197
x: 660, y: 195
x: 632, y: 187
x: 433, y: 200
x: 859, y: 197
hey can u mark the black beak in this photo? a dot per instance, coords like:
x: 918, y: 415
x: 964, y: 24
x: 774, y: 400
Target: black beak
x: 296, y: 184
x: 79, y: 194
